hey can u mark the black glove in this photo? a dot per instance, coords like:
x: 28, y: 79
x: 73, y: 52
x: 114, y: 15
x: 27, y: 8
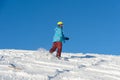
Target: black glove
x: 66, y: 38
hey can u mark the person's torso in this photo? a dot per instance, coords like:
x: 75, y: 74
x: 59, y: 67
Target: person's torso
x: 58, y: 36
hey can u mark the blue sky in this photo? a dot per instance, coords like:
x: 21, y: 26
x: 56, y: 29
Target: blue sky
x: 92, y: 25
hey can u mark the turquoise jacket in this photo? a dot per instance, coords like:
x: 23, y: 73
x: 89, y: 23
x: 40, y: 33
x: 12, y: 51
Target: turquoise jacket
x: 58, y: 36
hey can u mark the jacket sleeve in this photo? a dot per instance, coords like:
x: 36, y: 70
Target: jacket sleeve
x: 63, y: 37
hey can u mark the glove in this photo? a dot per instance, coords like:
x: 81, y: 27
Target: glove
x: 66, y: 38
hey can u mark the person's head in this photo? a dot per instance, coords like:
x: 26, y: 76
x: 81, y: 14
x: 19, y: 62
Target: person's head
x: 60, y: 24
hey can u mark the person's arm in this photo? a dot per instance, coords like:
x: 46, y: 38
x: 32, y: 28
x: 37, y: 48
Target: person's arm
x: 65, y: 38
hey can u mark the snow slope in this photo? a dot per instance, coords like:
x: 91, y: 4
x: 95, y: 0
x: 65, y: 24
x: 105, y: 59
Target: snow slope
x: 39, y: 65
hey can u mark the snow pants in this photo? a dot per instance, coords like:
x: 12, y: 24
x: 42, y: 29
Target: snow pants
x: 58, y: 46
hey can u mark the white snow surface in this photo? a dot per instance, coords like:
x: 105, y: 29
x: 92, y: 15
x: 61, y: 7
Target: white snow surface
x: 41, y: 65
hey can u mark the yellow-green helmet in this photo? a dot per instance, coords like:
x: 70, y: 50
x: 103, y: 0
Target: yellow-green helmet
x: 60, y: 23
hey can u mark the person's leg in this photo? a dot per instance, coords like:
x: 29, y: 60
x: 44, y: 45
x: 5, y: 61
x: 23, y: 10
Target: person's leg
x: 59, y: 49
x: 54, y: 46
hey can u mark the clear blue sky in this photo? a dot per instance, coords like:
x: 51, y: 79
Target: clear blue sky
x: 92, y: 25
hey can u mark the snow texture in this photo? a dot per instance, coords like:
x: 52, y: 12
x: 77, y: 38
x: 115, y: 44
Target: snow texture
x: 41, y: 65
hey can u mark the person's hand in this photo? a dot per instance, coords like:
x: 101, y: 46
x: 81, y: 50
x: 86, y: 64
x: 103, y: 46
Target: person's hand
x: 66, y: 38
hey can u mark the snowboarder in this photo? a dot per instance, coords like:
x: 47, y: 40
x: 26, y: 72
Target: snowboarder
x: 58, y: 39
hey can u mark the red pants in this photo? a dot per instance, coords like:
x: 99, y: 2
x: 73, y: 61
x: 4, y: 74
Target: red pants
x: 58, y: 46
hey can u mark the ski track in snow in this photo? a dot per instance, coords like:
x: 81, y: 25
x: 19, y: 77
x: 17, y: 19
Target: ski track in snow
x: 40, y: 65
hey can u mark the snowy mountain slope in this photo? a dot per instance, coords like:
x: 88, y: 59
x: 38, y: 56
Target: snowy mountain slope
x: 40, y: 65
